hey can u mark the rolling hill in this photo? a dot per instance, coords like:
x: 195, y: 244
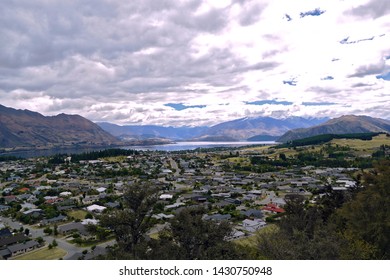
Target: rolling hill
x: 343, y: 125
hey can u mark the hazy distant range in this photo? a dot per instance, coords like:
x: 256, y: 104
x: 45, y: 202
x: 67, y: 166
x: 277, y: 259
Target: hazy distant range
x: 245, y: 129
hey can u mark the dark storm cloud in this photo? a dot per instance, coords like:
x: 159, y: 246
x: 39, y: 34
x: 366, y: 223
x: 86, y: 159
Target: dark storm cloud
x: 67, y: 42
x: 359, y: 85
x: 366, y: 70
x: 324, y: 90
x: 212, y: 21
x: 374, y: 9
x: 38, y: 32
x: 252, y: 12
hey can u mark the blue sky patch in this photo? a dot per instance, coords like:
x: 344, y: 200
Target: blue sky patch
x: 328, y: 78
x: 318, y: 103
x: 316, y: 12
x: 288, y: 17
x: 290, y: 82
x: 346, y: 40
x: 273, y: 102
x: 181, y: 106
x: 385, y: 77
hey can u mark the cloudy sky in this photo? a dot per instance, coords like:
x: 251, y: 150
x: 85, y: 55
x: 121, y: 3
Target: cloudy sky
x: 179, y: 62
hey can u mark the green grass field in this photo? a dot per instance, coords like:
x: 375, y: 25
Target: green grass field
x: 361, y: 145
x: 78, y: 214
x: 240, y: 160
x: 43, y: 254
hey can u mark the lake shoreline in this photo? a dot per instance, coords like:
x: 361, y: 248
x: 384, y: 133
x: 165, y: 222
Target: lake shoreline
x: 174, y: 146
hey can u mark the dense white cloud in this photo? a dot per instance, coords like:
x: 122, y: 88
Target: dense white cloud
x: 124, y: 61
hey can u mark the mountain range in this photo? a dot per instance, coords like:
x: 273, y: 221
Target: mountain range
x: 25, y: 129
x: 252, y: 129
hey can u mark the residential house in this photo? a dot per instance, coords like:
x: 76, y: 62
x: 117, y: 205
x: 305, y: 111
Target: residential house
x: 236, y: 234
x: 233, y: 201
x: 89, y: 222
x: 65, y: 207
x: 174, y: 205
x: 163, y: 216
x: 115, y: 204
x: 4, y: 208
x: 346, y: 183
x: 65, y: 194
x: 96, y: 208
x: 54, y: 220
x: 8, y: 190
x: 42, y: 188
x: 89, y: 199
x: 73, y: 227
x: 273, y: 208
x: 4, y: 254
x: 252, y: 213
x: 101, y: 190
x: 253, y: 225
x: 5, y: 233
x: 21, y: 248
x: 27, y: 206
x: 53, y: 199
x: 166, y: 197
x: 34, y: 213
x: 249, y: 197
x: 9, y: 198
x: 217, y: 217
x: 13, y: 239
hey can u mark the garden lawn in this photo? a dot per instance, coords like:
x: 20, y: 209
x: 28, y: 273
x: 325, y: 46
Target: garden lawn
x: 43, y: 254
x: 78, y: 214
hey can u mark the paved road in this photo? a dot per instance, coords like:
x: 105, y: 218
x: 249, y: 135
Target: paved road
x: 175, y: 166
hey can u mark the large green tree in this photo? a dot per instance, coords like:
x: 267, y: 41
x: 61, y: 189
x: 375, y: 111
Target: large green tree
x: 301, y: 234
x: 365, y: 220
x: 131, y: 223
x: 190, y: 237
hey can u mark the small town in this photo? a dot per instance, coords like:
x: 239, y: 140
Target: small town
x: 54, y: 204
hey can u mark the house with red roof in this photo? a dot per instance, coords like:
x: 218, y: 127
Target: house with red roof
x: 23, y: 190
x: 273, y: 208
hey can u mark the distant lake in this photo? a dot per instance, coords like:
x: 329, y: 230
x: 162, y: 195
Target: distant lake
x: 182, y: 146
x: 179, y: 146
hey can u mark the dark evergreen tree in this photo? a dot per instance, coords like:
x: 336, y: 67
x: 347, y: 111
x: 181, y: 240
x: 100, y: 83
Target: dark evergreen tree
x: 131, y: 223
x: 365, y: 220
x: 190, y: 237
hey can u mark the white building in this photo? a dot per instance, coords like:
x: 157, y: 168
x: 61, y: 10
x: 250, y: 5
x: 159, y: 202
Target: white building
x: 253, y: 225
x: 166, y: 196
x: 96, y: 208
